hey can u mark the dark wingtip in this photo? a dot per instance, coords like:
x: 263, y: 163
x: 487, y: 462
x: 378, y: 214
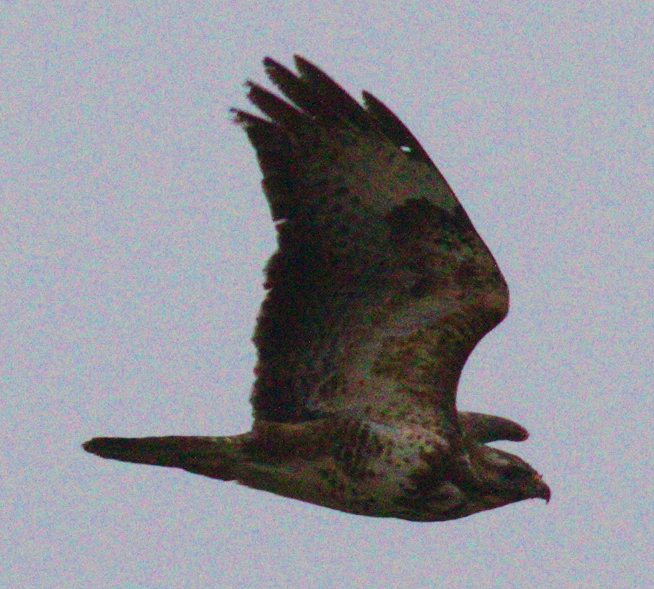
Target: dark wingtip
x: 491, y: 428
x: 270, y: 62
x: 303, y: 62
x: 517, y: 434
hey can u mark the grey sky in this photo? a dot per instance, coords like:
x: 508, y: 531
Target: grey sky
x: 134, y: 232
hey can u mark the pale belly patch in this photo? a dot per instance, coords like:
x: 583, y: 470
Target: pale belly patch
x: 365, y: 468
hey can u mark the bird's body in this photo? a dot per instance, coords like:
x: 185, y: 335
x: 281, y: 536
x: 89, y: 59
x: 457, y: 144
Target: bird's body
x: 380, y: 290
x: 358, y: 466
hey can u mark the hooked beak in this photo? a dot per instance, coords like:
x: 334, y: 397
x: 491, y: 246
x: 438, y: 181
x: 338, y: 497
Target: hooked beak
x: 542, y: 490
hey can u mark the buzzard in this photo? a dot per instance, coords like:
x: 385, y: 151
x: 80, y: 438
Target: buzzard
x: 377, y: 295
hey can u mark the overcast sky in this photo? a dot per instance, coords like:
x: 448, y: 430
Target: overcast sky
x: 134, y: 231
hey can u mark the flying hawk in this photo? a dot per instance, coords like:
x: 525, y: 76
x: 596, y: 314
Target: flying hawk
x: 377, y: 295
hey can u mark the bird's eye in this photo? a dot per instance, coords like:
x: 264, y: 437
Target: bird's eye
x: 512, y: 474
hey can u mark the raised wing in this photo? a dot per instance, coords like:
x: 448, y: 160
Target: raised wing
x: 381, y: 286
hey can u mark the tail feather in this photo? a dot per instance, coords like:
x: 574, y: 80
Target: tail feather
x: 213, y: 457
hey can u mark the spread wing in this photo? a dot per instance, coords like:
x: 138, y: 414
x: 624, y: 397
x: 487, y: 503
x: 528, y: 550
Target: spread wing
x: 381, y: 287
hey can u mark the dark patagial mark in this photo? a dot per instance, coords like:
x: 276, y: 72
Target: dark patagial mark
x: 413, y: 218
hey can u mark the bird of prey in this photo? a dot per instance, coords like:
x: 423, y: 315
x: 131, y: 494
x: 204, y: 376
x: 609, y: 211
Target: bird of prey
x: 377, y: 295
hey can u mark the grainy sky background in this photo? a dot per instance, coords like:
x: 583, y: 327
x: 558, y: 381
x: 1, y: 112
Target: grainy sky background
x: 134, y: 231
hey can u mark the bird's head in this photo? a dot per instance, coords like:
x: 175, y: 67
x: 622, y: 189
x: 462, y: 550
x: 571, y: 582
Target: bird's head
x: 506, y: 478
